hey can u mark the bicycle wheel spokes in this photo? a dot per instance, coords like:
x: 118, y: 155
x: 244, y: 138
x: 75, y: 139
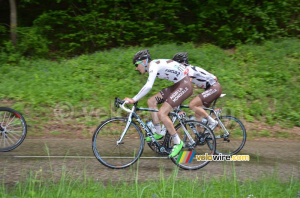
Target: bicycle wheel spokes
x: 233, y: 142
x: 12, y: 129
x: 204, y: 143
x: 112, y: 154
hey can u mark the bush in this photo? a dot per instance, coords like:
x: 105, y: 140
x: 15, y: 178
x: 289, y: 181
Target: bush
x: 77, y: 27
x: 30, y: 44
x: 259, y: 80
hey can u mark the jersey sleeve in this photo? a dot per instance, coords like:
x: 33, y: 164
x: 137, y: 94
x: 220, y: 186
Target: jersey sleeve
x: 148, y: 86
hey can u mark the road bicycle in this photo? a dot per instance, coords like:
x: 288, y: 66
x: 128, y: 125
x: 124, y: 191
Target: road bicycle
x: 230, y: 132
x: 119, y: 142
x: 13, y: 129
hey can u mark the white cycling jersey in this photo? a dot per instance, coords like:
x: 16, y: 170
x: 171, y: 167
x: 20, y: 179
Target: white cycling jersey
x: 200, y: 77
x: 163, y: 69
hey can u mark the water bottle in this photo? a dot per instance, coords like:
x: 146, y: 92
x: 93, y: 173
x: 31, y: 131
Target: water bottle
x: 191, y: 117
x: 151, y: 126
x: 204, y: 120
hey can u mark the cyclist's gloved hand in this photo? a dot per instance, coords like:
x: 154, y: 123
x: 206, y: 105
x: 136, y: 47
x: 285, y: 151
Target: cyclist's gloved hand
x: 130, y: 101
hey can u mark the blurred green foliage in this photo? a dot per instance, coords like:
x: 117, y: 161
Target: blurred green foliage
x: 261, y: 81
x: 76, y: 26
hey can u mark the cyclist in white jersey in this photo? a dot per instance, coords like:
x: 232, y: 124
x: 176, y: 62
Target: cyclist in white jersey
x: 173, y: 95
x: 204, y: 80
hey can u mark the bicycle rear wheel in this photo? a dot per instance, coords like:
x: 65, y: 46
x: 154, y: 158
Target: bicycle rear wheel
x: 205, y: 144
x: 232, y: 143
x: 109, y: 152
x: 13, y: 129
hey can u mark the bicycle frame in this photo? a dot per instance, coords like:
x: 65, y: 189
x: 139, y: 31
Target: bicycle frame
x: 212, y: 111
x: 132, y: 113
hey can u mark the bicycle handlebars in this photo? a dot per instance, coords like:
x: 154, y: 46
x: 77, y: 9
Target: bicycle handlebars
x: 120, y: 103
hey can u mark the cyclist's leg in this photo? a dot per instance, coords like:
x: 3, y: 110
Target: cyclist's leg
x: 205, y: 99
x: 174, y: 96
x: 196, y: 105
x: 180, y: 91
x: 152, y: 104
x: 163, y: 116
x: 210, y: 94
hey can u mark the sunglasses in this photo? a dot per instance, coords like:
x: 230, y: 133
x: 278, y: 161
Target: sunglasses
x: 137, y: 63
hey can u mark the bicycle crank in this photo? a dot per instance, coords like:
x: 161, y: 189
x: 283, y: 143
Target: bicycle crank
x: 226, y: 138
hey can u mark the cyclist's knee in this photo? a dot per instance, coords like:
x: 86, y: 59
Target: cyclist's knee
x: 164, y: 111
x: 151, y: 102
x: 192, y: 106
x: 162, y: 115
x: 195, y: 103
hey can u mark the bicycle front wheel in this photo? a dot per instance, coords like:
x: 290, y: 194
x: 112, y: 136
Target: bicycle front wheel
x: 113, y: 154
x: 13, y: 129
x: 234, y: 141
x: 191, y: 157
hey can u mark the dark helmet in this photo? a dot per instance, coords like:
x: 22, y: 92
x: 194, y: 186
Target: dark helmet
x: 181, y: 57
x: 141, y: 55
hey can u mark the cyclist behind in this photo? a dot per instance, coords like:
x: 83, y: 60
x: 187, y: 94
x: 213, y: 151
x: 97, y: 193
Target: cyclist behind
x: 173, y: 95
x: 204, y: 80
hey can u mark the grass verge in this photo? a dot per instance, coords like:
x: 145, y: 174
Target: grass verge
x: 82, y: 186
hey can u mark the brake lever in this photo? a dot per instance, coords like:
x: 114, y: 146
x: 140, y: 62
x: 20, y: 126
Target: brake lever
x: 118, y: 101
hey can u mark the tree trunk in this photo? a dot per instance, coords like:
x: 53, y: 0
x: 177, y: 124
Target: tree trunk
x: 13, y: 21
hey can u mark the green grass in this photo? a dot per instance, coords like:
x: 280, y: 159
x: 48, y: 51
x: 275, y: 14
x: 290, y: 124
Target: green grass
x: 265, y: 133
x: 282, y: 134
x: 261, y: 81
x: 81, y: 186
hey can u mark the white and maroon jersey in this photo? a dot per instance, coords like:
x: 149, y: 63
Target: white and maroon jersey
x: 200, y: 77
x: 163, y: 69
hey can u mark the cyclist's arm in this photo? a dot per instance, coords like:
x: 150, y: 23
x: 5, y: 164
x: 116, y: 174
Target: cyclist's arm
x: 148, y: 86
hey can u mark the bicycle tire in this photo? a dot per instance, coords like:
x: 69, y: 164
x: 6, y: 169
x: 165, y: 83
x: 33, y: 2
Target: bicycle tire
x: 13, y: 129
x: 105, y: 147
x: 206, y: 145
x: 237, y: 136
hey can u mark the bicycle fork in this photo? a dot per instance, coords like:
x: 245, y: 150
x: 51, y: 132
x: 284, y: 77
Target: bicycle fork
x: 126, y: 129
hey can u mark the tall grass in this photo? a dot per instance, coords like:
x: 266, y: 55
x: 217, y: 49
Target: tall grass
x: 82, y: 186
x: 261, y: 81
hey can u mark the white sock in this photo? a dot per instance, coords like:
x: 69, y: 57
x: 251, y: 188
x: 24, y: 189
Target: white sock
x: 176, y: 138
x: 210, y: 120
x: 163, y: 130
x: 158, y: 128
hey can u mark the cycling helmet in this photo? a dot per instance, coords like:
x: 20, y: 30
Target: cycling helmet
x: 181, y: 57
x: 141, y: 55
